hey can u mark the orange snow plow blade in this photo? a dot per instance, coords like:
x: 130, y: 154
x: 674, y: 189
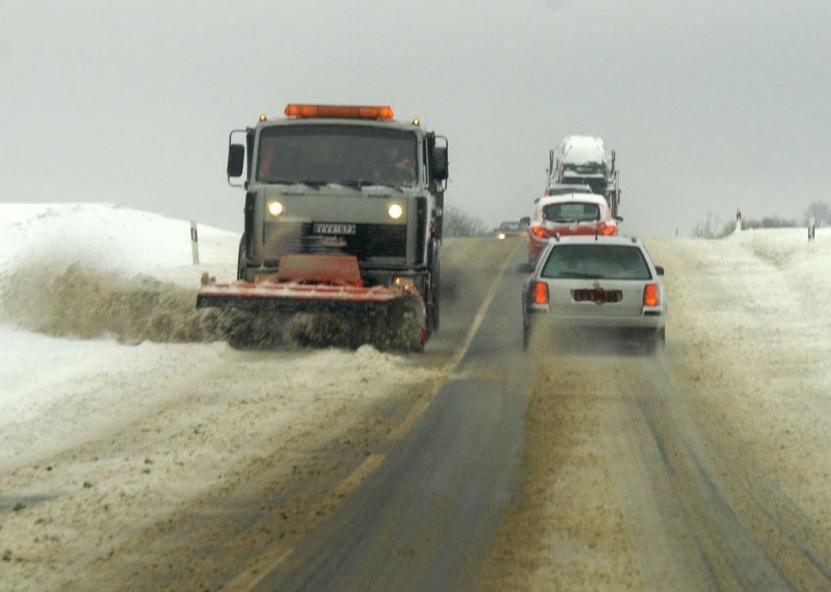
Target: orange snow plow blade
x: 329, y: 285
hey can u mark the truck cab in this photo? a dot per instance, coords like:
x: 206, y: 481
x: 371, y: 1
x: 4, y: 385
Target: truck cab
x: 343, y: 180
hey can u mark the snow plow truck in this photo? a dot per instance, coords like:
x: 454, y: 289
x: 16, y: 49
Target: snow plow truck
x: 343, y: 229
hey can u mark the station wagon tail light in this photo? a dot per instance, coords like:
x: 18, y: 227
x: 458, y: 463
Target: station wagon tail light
x: 607, y: 229
x: 650, y: 295
x: 538, y: 231
x: 539, y: 295
x: 339, y: 111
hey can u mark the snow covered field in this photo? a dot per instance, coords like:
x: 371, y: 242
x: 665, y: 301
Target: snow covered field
x: 118, y: 406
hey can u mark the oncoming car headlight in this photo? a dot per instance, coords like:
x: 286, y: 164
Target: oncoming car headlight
x: 275, y: 208
x: 395, y: 211
x: 501, y: 236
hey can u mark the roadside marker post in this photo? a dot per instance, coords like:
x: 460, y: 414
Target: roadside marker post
x: 194, y: 242
x: 812, y: 228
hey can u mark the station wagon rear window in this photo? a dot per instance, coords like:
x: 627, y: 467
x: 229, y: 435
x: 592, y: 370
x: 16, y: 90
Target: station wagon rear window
x: 595, y: 261
x: 571, y: 212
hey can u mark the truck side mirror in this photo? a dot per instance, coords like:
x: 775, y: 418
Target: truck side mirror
x: 619, y: 218
x: 659, y: 270
x: 440, y: 164
x: 236, y: 159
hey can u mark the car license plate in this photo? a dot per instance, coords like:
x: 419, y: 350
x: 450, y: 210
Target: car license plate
x: 598, y: 296
x: 336, y: 229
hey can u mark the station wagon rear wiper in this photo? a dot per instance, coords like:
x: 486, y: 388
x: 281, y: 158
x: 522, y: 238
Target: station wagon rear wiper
x: 577, y: 275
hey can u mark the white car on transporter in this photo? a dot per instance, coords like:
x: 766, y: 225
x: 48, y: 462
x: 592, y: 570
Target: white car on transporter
x: 597, y: 283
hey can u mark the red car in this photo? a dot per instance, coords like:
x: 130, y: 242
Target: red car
x: 569, y: 214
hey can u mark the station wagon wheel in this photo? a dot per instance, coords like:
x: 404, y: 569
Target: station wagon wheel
x: 527, y: 327
x: 655, y: 342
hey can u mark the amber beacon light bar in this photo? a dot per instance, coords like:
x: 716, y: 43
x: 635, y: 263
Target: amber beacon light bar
x: 339, y: 111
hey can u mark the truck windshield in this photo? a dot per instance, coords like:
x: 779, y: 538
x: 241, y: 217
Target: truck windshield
x: 609, y: 262
x: 348, y: 154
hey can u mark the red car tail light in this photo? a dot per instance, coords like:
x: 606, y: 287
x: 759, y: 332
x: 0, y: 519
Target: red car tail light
x: 650, y: 295
x: 539, y: 294
x: 538, y: 231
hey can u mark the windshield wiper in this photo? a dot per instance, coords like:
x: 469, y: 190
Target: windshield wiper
x: 311, y: 183
x: 361, y: 183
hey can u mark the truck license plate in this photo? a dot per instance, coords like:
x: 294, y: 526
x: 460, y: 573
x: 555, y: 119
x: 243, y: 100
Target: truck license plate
x: 333, y: 229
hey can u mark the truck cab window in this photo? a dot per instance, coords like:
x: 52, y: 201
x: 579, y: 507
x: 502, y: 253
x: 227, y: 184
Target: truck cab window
x: 337, y: 154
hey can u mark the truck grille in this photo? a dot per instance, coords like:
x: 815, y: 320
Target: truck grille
x: 369, y: 240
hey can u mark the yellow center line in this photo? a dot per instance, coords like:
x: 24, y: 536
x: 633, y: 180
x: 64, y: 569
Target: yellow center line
x: 269, y: 561
x: 262, y: 566
x: 450, y: 367
x: 359, y: 475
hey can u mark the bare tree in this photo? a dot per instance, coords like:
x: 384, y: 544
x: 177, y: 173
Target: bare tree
x: 459, y: 223
x: 821, y: 212
x: 713, y: 227
x: 709, y: 228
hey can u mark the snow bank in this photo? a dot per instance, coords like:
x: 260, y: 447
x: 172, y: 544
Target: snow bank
x: 107, y: 238
x: 748, y: 324
x: 98, y: 270
x: 94, y: 272
x: 804, y: 265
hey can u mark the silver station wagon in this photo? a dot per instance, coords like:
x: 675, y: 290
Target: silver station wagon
x: 598, y: 284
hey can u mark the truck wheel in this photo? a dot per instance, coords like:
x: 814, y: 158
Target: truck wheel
x: 241, y: 259
x: 433, y: 308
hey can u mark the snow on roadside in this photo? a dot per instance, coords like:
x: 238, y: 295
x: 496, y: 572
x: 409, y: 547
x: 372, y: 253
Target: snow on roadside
x: 751, y: 318
x: 98, y: 454
x: 98, y: 438
x: 98, y: 270
x: 111, y: 239
x: 805, y: 264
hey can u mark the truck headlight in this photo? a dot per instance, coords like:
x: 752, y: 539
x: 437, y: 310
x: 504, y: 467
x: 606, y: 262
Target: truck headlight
x: 401, y: 281
x: 395, y: 211
x: 275, y: 208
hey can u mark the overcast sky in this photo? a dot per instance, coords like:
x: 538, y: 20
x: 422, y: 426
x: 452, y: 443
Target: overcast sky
x: 711, y: 105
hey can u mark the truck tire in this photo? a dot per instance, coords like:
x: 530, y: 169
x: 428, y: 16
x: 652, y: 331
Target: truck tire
x: 434, y: 300
x: 241, y: 264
